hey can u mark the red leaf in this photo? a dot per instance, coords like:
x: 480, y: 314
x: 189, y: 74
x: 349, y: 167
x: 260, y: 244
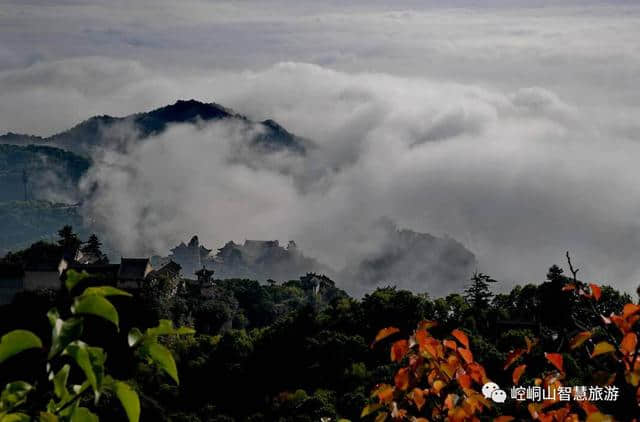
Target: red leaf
x: 433, y: 347
x: 580, y: 338
x: 556, y: 360
x: 466, y: 354
x: 399, y: 350
x: 530, y: 343
x: 517, y: 373
x: 620, y: 322
x: 385, y: 394
x: 402, y: 379
x: 450, y: 344
x: 418, y: 398
x: 629, y: 343
x: 451, y: 401
x: 384, y: 333
x: 421, y: 337
x: 477, y: 373
x: 464, y: 380
x: 512, y: 357
x: 461, y: 337
x: 595, y: 291
x: 630, y: 309
x: 425, y: 325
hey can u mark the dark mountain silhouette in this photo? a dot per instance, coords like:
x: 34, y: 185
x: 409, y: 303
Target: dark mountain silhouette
x: 102, y: 131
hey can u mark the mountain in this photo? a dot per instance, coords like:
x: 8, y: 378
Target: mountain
x: 254, y: 259
x: 35, y: 170
x: 413, y: 261
x: 25, y: 222
x: 263, y: 260
x: 40, y: 172
x: 109, y: 131
x: 405, y: 258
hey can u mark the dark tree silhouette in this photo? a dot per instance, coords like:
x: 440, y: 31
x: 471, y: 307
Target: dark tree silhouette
x: 555, y: 275
x: 478, y: 294
x: 68, y: 239
x: 93, y: 247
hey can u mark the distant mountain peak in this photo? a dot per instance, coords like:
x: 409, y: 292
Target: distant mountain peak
x: 189, y: 110
x: 95, y: 131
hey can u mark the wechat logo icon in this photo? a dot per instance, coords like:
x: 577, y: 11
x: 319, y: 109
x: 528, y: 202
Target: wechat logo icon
x: 492, y: 391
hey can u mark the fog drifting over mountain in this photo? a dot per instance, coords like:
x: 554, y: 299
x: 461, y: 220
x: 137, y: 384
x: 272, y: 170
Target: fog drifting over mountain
x: 513, y: 130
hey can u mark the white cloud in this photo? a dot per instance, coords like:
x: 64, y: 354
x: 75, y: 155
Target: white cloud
x: 511, y: 128
x: 519, y: 177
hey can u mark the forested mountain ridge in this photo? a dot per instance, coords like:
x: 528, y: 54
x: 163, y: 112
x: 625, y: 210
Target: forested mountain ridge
x: 102, y: 131
x: 27, y: 222
x: 40, y: 172
x: 44, y: 172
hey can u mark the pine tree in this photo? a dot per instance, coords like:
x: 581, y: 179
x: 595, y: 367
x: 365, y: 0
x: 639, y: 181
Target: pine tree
x: 478, y: 294
x: 68, y: 239
x: 554, y: 275
x: 93, y: 247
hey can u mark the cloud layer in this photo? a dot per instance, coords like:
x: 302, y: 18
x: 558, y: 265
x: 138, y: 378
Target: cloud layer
x: 512, y: 129
x: 519, y: 177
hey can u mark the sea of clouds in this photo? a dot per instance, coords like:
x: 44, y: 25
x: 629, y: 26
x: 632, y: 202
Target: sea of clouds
x: 512, y: 130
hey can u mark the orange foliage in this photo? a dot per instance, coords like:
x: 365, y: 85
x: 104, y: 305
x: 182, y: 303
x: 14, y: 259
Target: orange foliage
x: 440, y: 380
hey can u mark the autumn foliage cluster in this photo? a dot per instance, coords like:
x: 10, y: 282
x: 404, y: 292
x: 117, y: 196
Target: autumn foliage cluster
x: 439, y: 380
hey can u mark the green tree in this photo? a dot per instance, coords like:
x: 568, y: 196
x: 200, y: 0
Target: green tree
x: 478, y: 295
x: 93, y: 247
x: 69, y: 241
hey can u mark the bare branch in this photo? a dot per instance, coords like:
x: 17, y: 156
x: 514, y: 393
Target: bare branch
x: 574, y: 271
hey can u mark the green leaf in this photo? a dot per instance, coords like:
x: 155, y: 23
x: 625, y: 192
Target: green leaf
x: 82, y: 414
x: 47, y: 417
x: 60, y: 382
x: 14, y: 394
x: 17, y: 341
x: 97, y: 358
x: 163, y: 358
x: 96, y: 305
x: 134, y: 337
x: 79, y: 351
x: 53, y: 315
x: 369, y: 409
x: 164, y: 327
x: 129, y: 399
x: 63, y: 332
x: 65, y: 408
x: 16, y: 417
x: 73, y: 278
x: 104, y: 291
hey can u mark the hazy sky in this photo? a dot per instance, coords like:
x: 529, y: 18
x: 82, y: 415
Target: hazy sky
x: 511, y: 126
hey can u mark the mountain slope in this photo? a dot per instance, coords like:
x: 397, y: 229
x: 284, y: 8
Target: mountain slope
x: 49, y: 173
x: 414, y: 261
x: 25, y: 222
x: 101, y: 131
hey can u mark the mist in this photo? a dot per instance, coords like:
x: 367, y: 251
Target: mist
x: 520, y: 146
x: 517, y: 177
